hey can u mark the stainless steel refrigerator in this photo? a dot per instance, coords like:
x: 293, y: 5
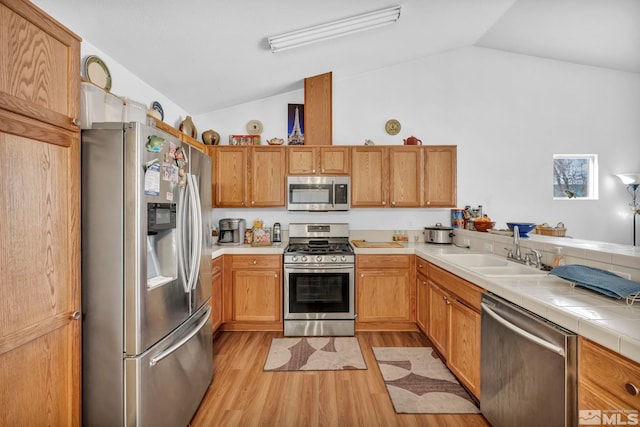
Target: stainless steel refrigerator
x: 146, y: 277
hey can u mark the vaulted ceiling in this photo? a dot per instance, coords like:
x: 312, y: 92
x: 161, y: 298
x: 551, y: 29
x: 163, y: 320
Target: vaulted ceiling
x: 209, y: 54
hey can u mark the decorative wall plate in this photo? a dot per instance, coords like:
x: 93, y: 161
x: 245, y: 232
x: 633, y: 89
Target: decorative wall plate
x: 156, y: 106
x: 254, y: 127
x: 392, y: 127
x: 97, y: 72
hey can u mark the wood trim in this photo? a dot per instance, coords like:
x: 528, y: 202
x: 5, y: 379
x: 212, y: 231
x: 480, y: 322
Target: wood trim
x: 37, y: 330
x: 27, y: 127
x: 318, y: 110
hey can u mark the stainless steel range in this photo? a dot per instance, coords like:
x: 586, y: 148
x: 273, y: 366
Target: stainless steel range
x: 319, y: 285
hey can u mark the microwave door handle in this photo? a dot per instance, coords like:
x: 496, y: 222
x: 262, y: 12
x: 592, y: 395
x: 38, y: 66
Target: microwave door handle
x: 333, y: 190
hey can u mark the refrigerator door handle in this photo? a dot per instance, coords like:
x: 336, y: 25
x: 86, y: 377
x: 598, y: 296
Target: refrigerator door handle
x: 180, y: 238
x: 205, y: 318
x: 198, y: 232
x: 195, y: 232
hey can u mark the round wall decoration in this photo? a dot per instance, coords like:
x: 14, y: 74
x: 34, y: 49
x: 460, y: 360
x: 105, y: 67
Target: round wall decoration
x: 254, y: 127
x: 392, y: 127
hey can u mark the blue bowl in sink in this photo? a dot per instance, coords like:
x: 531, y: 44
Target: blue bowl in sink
x: 523, y: 227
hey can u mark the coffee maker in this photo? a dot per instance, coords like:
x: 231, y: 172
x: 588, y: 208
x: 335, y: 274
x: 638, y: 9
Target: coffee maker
x: 232, y: 231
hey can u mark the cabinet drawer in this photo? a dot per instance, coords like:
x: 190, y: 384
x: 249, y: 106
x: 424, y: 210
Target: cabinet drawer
x: 383, y: 261
x: 605, y: 370
x: 422, y: 267
x: 256, y: 261
x: 216, y: 266
x: 467, y: 291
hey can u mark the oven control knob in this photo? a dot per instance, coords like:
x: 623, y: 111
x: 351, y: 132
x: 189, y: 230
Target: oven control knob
x: 294, y: 258
x: 343, y: 258
x: 304, y: 258
x: 334, y: 258
x: 319, y: 258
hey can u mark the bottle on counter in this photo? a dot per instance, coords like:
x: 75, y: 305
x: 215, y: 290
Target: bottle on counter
x: 559, y: 258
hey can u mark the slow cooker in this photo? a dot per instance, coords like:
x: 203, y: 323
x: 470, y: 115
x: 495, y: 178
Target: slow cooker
x: 438, y: 234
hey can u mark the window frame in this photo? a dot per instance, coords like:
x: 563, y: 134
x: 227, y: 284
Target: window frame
x: 591, y: 177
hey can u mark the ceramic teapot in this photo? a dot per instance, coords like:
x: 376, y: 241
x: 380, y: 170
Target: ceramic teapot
x: 412, y: 140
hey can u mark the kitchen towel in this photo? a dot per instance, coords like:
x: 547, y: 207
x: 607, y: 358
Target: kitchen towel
x: 419, y: 383
x: 602, y: 281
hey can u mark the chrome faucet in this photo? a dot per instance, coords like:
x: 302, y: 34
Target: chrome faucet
x: 516, y: 242
x: 517, y: 256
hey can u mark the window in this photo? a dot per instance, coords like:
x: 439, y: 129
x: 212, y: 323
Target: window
x: 575, y: 176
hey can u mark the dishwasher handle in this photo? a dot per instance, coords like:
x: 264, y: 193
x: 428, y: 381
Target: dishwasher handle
x: 522, y: 332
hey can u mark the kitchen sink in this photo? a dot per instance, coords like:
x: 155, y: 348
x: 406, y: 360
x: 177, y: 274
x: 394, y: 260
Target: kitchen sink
x: 492, y: 265
x: 475, y: 260
x: 509, y: 270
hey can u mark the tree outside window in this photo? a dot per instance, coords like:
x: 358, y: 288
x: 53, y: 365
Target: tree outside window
x: 575, y: 176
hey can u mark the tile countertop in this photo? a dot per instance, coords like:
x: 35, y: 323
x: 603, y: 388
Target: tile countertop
x: 609, y: 322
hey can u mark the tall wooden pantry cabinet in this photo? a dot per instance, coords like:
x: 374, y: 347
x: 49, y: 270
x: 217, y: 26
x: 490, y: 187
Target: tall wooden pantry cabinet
x: 40, y: 323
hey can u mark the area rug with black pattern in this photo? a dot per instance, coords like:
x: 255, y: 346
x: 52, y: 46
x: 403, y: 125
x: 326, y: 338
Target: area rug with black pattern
x: 419, y: 383
x: 314, y: 354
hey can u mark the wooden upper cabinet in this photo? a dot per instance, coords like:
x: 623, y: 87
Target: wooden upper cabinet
x: 440, y: 176
x: 268, y: 172
x: 39, y: 66
x: 40, y: 325
x: 369, y: 173
x: 318, y: 110
x: 405, y: 176
x: 332, y: 160
x: 230, y: 176
x: 249, y: 176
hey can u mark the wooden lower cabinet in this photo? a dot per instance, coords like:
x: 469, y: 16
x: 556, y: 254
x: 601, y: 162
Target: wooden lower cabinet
x: 216, y: 293
x: 454, y: 324
x: 607, y: 382
x: 385, y: 292
x: 464, y: 345
x: 252, y: 292
x: 438, y: 318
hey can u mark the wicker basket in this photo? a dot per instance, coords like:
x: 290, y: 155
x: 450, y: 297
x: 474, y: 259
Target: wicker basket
x: 547, y: 230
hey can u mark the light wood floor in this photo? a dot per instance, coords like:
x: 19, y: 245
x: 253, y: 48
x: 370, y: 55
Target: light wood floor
x: 242, y: 394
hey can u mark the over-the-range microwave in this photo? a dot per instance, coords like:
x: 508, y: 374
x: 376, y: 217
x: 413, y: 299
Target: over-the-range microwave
x: 318, y: 193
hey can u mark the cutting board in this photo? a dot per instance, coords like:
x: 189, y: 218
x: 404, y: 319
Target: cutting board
x: 365, y: 244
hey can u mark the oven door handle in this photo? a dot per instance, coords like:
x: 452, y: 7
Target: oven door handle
x: 318, y: 267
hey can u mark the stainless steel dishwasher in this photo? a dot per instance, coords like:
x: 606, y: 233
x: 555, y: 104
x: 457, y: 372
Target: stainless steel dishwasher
x: 528, y: 368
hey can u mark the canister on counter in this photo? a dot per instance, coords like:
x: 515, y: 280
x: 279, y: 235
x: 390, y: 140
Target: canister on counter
x: 457, y: 218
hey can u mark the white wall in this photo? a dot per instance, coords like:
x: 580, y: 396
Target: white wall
x: 508, y: 114
x: 127, y: 84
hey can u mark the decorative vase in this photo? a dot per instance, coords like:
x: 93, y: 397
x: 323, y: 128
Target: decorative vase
x: 187, y: 127
x: 210, y: 137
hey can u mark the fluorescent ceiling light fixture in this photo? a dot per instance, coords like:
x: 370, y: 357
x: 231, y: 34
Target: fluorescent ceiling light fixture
x: 331, y: 30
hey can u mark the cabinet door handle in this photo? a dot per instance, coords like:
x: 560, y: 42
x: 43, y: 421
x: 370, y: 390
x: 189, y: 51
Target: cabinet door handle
x: 384, y: 202
x: 393, y: 204
x: 255, y: 262
x: 632, y: 389
x: 444, y: 297
x: 75, y: 121
x: 275, y: 275
x: 361, y: 274
x: 75, y: 315
x: 313, y: 170
x: 448, y: 302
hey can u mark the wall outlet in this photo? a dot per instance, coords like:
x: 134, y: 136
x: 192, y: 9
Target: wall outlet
x: 487, y: 247
x: 466, y: 242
